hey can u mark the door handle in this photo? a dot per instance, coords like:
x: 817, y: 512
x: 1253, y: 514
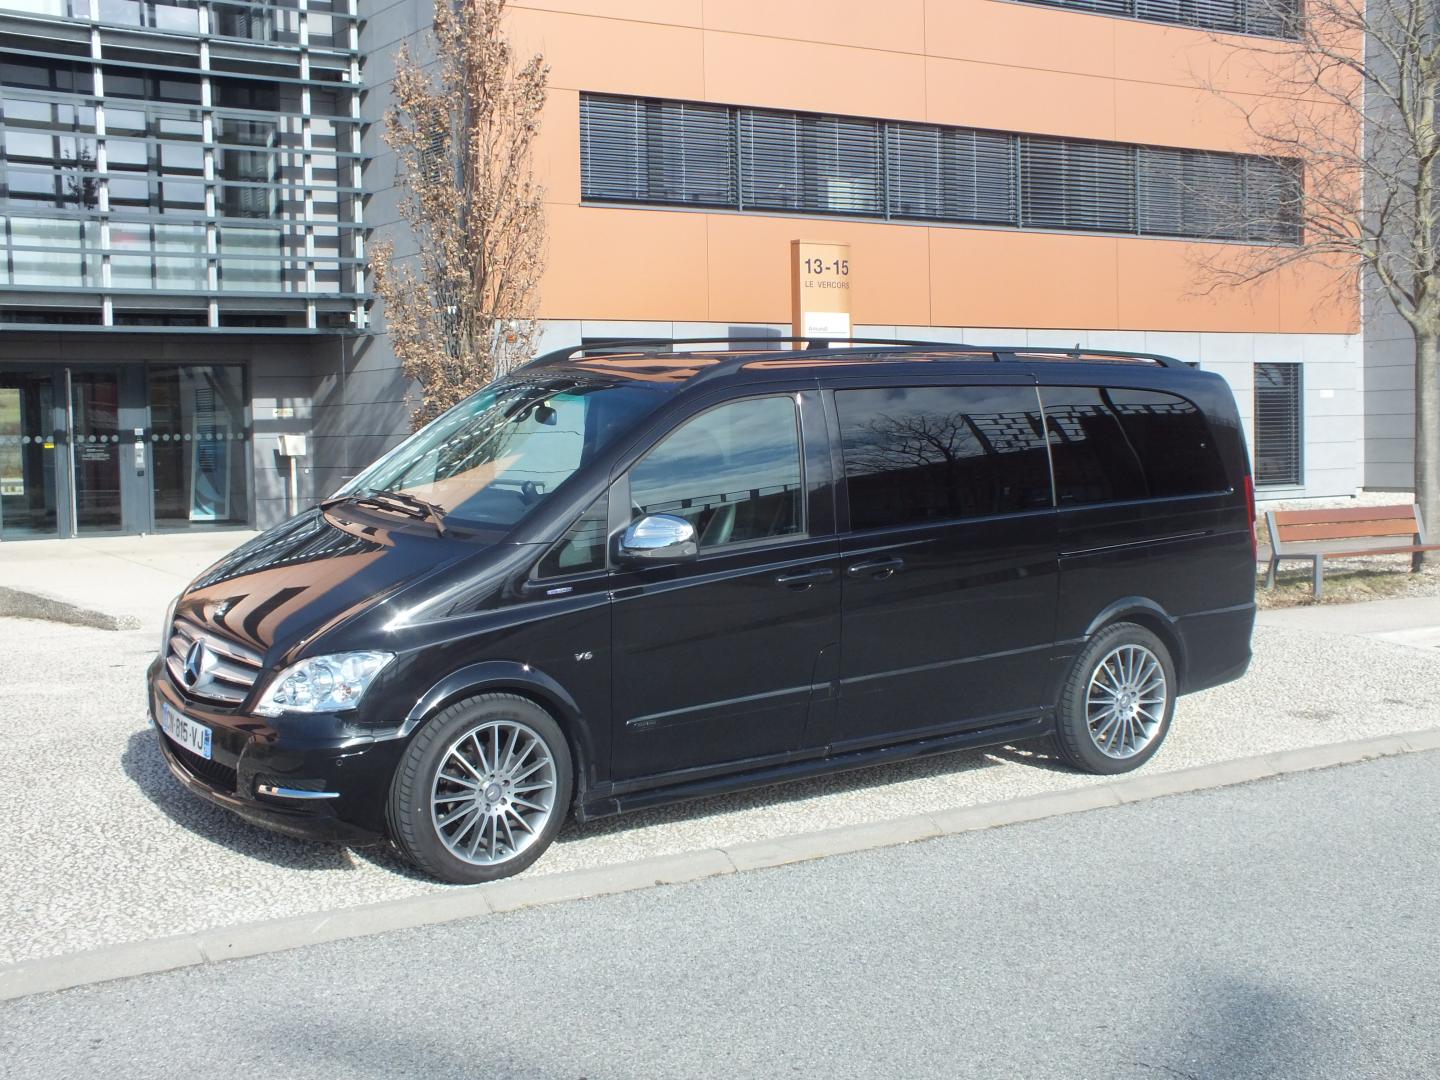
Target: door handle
x: 880, y: 569
x: 803, y: 579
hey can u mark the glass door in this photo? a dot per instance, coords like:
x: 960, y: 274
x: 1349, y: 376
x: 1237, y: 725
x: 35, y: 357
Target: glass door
x: 199, y: 445
x: 28, y: 503
x: 95, y: 449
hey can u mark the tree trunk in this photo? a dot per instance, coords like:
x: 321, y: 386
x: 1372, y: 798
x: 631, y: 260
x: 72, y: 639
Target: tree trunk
x: 1427, y: 435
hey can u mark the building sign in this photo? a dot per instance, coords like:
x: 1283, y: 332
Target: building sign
x: 820, y: 289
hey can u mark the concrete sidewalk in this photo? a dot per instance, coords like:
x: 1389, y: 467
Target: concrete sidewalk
x: 1411, y: 620
x: 112, y: 582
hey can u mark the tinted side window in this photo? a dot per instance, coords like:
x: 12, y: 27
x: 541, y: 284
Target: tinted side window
x: 733, y: 472
x: 941, y: 452
x: 1173, y: 441
x: 1094, y: 461
x: 582, y: 549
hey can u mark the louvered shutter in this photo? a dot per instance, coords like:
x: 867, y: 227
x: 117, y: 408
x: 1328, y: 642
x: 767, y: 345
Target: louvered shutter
x: 692, y: 153
x: 1277, y: 425
x: 1273, y: 189
x: 673, y: 152
x: 1104, y: 7
x: 950, y: 174
x: 795, y: 161
x: 1068, y: 184
x: 1190, y: 193
x: 612, y: 148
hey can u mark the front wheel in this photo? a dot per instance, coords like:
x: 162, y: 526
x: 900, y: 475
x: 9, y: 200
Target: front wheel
x: 482, y: 789
x: 1117, y: 702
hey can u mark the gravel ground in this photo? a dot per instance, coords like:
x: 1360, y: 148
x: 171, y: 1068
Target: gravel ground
x: 100, y: 844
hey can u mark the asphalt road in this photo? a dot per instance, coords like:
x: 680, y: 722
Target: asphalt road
x: 1280, y: 929
x: 116, y: 850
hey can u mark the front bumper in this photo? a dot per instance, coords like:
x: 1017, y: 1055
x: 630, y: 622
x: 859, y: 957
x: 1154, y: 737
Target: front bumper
x: 253, y: 757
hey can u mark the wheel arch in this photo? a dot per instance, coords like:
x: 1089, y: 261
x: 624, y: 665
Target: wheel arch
x: 1147, y: 613
x: 522, y: 680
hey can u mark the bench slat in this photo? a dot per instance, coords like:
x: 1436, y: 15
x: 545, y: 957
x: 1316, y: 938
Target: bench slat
x: 1353, y: 513
x: 1334, y: 531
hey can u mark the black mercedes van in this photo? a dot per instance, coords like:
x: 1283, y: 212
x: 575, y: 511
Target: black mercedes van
x: 629, y: 575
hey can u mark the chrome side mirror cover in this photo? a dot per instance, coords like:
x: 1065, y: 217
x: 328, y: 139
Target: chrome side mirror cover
x: 658, y: 538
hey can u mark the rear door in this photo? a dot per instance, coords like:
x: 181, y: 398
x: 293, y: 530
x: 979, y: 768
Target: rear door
x: 714, y: 660
x: 1146, y: 512
x: 949, y: 560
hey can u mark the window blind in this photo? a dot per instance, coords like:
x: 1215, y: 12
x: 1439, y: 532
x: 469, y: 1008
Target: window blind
x: 950, y: 174
x: 638, y: 150
x: 1068, y: 184
x: 797, y: 161
x: 685, y: 154
x: 1278, y: 425
x: 1270, y: 18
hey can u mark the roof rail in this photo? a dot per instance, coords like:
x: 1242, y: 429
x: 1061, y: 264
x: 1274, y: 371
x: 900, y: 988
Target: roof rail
x: 997, y: 352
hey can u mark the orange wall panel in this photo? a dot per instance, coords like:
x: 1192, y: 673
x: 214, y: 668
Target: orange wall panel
x: 749, y: 261
x: 1017, y: 35
x: 745, y: 70
x: 670, y: 12
x: 1162, y: 286
x: 967, y: 62
x: 1016, y: 99
x: 607, y: 263
x: 613, y: 56
x: 557, y: 148
x: 1318, y: 297
x: 984, y: 278
x: 894, y: 26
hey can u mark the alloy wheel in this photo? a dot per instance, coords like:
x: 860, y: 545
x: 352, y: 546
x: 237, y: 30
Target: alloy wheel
x: 1126, y: 700
x: 493, y: 793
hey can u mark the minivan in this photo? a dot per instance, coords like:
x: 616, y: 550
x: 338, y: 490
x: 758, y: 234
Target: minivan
x: 631, y: 574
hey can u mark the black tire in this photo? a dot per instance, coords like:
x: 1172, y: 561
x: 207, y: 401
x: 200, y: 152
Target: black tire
x: 1073, y: 739
x: 408, y: 811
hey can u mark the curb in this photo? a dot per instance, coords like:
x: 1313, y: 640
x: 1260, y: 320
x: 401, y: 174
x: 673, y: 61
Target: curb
x: 213, y: 946
x: 23, y: 604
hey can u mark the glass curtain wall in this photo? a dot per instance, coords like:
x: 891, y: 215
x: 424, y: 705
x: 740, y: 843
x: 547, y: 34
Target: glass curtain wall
x: 242, y: 185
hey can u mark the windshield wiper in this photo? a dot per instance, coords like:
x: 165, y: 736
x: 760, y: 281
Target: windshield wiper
x: 398, y: 501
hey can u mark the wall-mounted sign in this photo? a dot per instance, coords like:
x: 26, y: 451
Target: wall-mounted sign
x: 820, y: 289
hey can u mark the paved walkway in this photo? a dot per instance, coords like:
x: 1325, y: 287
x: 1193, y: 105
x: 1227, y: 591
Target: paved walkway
x: 112, y: 582
x: 1413, y: 620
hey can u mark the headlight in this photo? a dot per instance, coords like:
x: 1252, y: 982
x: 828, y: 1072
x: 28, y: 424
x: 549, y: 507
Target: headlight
x: 167, y: 628
x: 322, y: 683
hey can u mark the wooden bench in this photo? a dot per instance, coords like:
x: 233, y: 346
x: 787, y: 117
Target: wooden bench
x: 1354, y: 532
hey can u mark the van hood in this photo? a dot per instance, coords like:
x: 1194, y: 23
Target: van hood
x: 317, y: 569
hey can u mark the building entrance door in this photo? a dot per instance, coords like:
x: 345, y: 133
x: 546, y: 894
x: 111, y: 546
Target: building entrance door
x: 95, y: 450
x: 29, y: 500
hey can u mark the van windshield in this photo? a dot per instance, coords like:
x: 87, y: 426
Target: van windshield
x: 497, y: 455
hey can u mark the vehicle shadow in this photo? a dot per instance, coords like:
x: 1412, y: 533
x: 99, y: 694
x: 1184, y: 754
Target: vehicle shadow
x: 1035, y: 754
x: 146, y: 768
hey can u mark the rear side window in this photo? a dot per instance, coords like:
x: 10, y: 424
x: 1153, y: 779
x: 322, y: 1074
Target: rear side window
x: 1094, y: 461
x: 927, y: 453
x: 732, y: 472
x: 1172, y: 440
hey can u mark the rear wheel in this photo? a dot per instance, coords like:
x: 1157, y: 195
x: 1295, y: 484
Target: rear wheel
x: 482, y: 789
x: 1117, y: 702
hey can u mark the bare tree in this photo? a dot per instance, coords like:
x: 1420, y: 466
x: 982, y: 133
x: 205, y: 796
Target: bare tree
x: 1351, y: 102
x: 462, y: 310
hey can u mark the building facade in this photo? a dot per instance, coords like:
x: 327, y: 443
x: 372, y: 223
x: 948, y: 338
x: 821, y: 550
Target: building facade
x: 1003, y: 172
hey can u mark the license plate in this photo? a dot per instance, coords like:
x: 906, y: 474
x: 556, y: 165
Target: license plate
x: 191, y: 734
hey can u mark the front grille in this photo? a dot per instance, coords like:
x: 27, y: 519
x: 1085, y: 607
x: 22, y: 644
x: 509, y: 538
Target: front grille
x: 220, y: 777
x: 230, y: 669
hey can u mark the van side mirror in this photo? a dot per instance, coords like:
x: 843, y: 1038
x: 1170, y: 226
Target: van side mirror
x: 658, y: 538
